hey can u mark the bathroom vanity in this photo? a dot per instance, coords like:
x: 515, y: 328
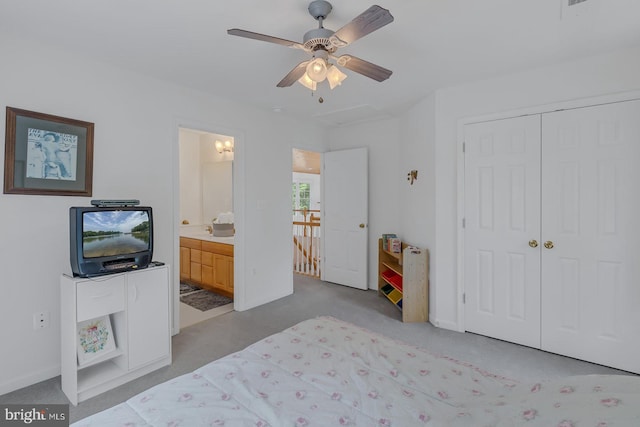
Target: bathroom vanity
x: 207, y: 261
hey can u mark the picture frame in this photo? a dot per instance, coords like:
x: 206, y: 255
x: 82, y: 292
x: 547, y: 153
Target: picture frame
x: 94, y: 339
x: 47, y: 154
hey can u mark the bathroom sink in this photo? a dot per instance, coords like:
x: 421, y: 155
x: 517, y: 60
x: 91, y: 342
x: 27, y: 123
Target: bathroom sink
x: 204, y: 235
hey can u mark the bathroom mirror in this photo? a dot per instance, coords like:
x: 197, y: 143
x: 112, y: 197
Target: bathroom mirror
x: 206, y: 176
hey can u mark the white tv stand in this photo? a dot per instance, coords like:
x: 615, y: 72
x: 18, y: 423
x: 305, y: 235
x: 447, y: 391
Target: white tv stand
x: 137, y: 304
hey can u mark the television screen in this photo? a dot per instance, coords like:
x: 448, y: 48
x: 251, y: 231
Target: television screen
x: 114, y: 232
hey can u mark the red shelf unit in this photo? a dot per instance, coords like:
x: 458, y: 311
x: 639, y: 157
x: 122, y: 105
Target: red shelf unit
x: 393, y: 278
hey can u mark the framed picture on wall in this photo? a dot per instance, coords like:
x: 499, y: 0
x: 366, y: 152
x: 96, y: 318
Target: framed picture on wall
x: 95, y: 339
x: 47, y: 155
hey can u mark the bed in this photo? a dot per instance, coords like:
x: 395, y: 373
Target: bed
x: 327, y: 372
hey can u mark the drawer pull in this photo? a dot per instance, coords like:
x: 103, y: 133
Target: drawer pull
x: 108, y: 294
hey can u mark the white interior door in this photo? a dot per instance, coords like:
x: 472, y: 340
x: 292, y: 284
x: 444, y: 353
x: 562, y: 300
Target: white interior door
x: 590, y: 211
x: 502, y: 229
x: 345, y: 217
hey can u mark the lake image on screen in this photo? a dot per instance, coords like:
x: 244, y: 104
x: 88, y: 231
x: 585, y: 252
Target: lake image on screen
x: 111, y: 233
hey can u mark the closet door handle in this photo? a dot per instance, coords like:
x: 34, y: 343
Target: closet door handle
x: 548, y: 244
x: 533, y: 243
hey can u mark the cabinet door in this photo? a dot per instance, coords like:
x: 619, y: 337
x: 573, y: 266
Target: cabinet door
x: 196, y: 265
x: 207, y: 275
x: 223, y: 272
x: 207, y: 258
x: 206, y: 269
x: 148, y: 315
x: 502, y: 215
x: 590, y: 214
x: 231, y: 277
x: 185, y: 263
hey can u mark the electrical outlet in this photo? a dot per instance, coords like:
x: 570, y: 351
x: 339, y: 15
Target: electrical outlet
x: 41, y: 320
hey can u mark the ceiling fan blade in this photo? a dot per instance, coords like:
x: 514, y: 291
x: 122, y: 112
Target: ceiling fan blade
x: 363, y: 67
x: 264, y: 38
x: 368, y: 21
x: 294, y: 75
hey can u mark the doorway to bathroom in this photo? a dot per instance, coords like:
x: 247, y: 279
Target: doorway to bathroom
x: 206, y: 226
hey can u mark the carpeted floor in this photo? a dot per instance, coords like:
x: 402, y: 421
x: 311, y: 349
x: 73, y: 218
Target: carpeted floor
x: 201, y: 299
x: 205, y: 341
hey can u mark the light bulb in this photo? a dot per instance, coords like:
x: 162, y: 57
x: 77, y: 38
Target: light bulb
x: 335, y: 76
x: 307, y: 82
x: 317, y: 70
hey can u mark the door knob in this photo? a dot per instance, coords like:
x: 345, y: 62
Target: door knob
x: 533, y: 243
x: 548, y: 244
x: 361, y: 225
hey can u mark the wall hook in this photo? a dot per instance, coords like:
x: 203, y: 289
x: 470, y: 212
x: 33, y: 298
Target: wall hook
x: 412, y: 176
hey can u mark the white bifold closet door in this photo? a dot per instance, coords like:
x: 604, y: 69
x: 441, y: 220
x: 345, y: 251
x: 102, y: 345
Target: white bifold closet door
x: 502, y: 214
x: 555, y: 264
x: 591, y: 214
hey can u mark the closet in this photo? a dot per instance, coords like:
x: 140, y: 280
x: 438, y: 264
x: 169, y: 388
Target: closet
x: 551, y: 233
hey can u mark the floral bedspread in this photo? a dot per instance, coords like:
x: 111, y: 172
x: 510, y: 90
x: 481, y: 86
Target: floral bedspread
x: 326, y: 372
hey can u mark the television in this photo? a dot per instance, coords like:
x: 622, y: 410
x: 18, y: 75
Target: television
x: 105, y: 240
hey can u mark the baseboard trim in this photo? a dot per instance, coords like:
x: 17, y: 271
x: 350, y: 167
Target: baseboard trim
x: 27, y: 380
x: 453, y: 326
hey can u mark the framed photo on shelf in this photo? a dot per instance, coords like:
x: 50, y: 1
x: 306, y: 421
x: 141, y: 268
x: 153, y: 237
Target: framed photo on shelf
x: 47, y: 155
x: 95, y: 339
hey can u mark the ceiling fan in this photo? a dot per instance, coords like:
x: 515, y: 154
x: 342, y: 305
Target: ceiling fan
x: 322, y: 43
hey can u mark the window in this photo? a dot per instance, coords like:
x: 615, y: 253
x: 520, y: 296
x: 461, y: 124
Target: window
x: 301, y: 195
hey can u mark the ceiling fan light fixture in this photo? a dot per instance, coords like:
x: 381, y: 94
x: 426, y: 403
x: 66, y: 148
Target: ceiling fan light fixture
x: 322, y: 43
x: 335, y: 76
x: 317, y: 70
x: 307, y: 82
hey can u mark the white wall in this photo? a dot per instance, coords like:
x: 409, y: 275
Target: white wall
x: 135, y: 157
x: 600, y: 75
x: 382, y: 140
x: 395, y: 147
x: 417, y: 201
x: 190, y: 177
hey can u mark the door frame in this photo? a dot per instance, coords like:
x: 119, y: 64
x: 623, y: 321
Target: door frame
x: 320, y: 197
x: 539, y: 109
x: 240, y: 298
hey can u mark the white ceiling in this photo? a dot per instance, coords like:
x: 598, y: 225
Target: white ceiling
x: 431, y: 44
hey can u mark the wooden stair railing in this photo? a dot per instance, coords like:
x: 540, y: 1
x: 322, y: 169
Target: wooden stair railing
x: 306, y: 240
x: 306, y: 255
